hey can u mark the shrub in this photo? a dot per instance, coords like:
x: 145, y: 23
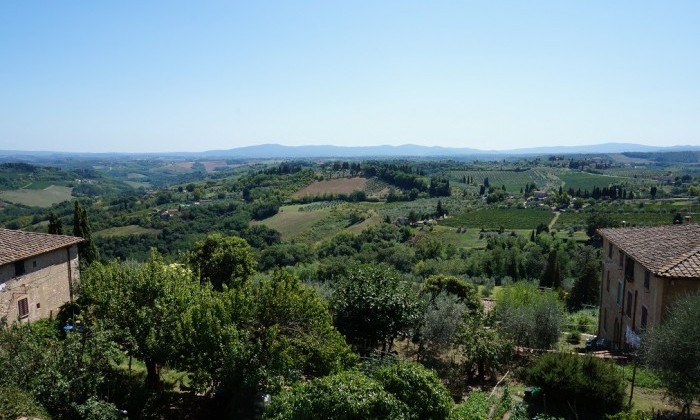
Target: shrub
x: 475, y: 407
x: 584, y: 385
x: 417, y: 387
x: 347, y: 395
x: 16, y: 403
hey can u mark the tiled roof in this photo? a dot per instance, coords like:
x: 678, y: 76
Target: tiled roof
x: 667, y: 251
x: 17, y: 245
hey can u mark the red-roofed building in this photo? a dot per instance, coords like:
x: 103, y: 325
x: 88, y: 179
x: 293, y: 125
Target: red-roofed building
x: 644, y: 270
x: 37, y: 274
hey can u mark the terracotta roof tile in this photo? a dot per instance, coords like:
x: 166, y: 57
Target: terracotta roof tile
x: 666, y: 251
x: 17, y: 245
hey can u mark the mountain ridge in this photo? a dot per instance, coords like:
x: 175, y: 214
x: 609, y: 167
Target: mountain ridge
x: 274, y: 150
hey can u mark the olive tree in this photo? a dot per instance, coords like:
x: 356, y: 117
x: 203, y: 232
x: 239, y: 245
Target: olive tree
x: 528, y: 316
x: 672, y: 350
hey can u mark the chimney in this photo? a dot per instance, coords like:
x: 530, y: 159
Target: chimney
x: 687, y: 219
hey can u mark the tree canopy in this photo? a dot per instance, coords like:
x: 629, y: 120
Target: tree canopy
x: 672, y: 350
x: 223, y: 260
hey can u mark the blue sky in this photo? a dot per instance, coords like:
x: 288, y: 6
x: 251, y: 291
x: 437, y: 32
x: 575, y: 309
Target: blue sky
x: 190, y: 76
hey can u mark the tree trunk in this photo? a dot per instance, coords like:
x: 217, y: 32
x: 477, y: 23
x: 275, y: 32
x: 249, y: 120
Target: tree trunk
x: 152, y: 375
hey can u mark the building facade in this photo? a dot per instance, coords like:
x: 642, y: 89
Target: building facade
x: 37, y: 274
x: 644, y: 271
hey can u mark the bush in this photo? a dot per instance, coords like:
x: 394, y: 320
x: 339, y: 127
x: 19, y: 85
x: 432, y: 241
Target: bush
x: 417, y: 387
x: 585, y: 385
x: 347, y: 395
x: 475, y: 407
x: 16, y: 403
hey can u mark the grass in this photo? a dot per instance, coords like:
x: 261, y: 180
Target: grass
x: 291, y: 222
x: 125, y: 231
x: 490, y: 218
x: 38, y: 198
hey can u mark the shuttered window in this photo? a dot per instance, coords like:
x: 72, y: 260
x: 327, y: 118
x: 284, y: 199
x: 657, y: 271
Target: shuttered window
x: 23, y: 307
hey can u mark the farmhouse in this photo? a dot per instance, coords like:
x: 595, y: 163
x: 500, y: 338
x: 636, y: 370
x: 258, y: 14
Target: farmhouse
x: 644, y: 271
x: 37, y: 274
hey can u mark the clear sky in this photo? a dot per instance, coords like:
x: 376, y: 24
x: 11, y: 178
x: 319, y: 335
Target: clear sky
x: 197, y: 75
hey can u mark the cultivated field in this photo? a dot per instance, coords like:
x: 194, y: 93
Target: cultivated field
x: 38, y: 197
x: 512, y: 180
x: 332, y: 186
x: 211, y: 165
x: 586, y: 181
x: 290, y: 222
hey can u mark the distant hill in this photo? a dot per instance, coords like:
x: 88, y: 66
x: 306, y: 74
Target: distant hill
x: 412, y: 150
x: 265, y: 151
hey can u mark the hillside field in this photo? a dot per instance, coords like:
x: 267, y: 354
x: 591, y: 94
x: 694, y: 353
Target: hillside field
x: 45, y: 197
x: 332, y: 186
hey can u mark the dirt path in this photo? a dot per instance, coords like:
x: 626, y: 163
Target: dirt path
x: 554, y: 220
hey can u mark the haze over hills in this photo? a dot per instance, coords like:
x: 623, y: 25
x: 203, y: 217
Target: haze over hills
x: 330, y: 151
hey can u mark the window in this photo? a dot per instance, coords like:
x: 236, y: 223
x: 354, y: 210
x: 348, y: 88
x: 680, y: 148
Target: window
x: 629, y: 304
x: 19, y: 268
x: 607, y: 283
x: 23, y: 307
x: 629, y: 269
x: 645, y: 314
x: 610, y: 251
x: 34, y: 264
x: 619, y: 293
x: 621, y: 263
x: 647, y: 276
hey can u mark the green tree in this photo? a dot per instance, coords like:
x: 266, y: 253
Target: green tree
x: 55, y: 224
x: 142, y: 305
x: 442, y: 320
x: 371, y: 305
x: 260, y: 337
x: 292, y: 330
x: 54, y: 374
x: 343, y: 396
x: 586, y: 287
x: 551, y: 277
x: 418, y: 387
x: 528, y: 316
x: 467, y: 293
x: 81, y: 227
x: 485, y: 349
x: 223, y: 260
x: 439, y: 210
x: 672, y: 350
x: 597, y: 221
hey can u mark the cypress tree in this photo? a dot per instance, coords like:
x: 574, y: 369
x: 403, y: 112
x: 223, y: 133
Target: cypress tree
x: 81, y: 227
x: 55, y: 224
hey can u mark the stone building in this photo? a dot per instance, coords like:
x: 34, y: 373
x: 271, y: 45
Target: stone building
x: 644, y: 270
x: 37, y: 274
